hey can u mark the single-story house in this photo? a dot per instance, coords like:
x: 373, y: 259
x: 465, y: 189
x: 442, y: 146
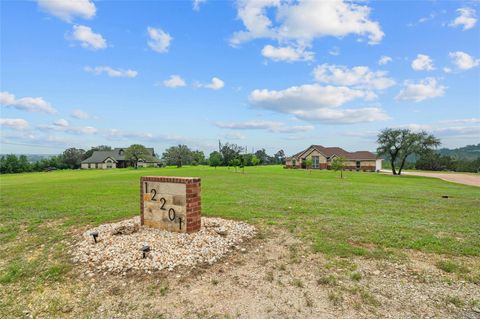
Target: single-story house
x: 322, y: 158
x: 116, y: 159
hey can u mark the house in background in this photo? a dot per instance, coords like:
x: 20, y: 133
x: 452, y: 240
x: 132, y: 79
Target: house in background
x: 322, y: 158
x: 116, y: 159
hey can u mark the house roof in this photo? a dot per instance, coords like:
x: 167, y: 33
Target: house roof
x: 295, y: 155
x: 338, y: 151
x: 100, y: 157
x: 117, y: 154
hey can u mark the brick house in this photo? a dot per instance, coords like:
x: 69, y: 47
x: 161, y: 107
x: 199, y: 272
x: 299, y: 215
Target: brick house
x: 116, y: 159
x: 322, y: 157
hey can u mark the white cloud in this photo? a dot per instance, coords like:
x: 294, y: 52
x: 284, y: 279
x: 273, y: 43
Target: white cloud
x: 234, y: 136
x: 81, y: 115
x: 87, y: 38
x: 466, y: 18
x: 67, y: 10
x: 304, y: 21
x: 313, y: 102
x: 272, y: 126
x: 159, y: 40
x: 26, y: 136
x: 288, y: 53
x: 344, y: 116
x: 61, y: 123
x: 422, y: 63
x: 463, y: 60
x: 215, y: 84
x: 196, y: 4
x: 424, y: 89
x: 174, y: 81
x: 358, y: 76
x: 307, y: 97
x: 30, y: 104
x: 384, y: 60
x: 86, y: 130
x: 111, y: 72
x: 17, y: 124
x: 450, y: 128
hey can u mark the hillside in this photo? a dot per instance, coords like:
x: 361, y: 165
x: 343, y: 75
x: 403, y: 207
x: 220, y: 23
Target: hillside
x: 469, y: 152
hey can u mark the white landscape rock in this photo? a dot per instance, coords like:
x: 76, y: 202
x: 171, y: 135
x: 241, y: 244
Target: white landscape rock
x: 120, y: 253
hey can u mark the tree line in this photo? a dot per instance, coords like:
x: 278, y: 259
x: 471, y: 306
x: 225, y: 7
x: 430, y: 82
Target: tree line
x: 180, y: 155
x: 68, y: 159
x: 396, y: 146
x: 227, y: 155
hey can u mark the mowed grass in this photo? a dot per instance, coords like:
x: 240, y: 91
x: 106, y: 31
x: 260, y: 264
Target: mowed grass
x: 366, y: 214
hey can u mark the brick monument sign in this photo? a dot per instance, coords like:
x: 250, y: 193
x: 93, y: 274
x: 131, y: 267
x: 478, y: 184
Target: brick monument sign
x: 170, y: 203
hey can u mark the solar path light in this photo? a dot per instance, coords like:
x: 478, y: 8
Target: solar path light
x: 145, y: 249
x: 94, y: 234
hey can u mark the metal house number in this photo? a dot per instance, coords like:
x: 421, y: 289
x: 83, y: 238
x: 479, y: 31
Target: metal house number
x: 162, y: 201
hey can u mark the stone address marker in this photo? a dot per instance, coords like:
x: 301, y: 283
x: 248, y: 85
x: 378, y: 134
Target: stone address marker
x: 170, y: 203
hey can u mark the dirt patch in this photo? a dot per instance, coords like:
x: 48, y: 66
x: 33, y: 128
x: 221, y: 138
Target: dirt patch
x: 276, y: 277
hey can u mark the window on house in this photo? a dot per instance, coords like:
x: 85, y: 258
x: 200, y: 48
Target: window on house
x: 358, y: 164
x: 294, y: 162
x: 315, y: 161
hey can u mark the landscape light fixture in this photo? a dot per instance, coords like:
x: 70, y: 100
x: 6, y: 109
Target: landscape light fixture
x: 94, y: 234
x: 145, y: 249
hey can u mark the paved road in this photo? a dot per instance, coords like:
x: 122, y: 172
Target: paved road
x: 467, y: 179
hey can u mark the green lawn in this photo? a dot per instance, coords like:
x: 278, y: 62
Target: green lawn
x: 364, y: 214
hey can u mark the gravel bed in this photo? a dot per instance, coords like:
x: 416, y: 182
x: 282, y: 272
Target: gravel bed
x: 119, y: 247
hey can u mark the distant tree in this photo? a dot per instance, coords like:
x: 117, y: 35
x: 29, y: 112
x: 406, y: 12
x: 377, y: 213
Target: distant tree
x: 433, y: 161
x: 137, y: 152
x: 3, y: 165
x: 178, y: 155
x: 279, y: 157
x: 96, y: 148
x: 308, y: 164
x: 10, y: 164
x: 215, y: 159
x: 464, y: 165
x: 13, y: 164
x: 246, y: 159
x: 72, y: 157
x: 255, y: 160
x: 229, y: 152
x: 235, y: 163
x: 198, y: 158
x: 397, y: 144
x: 24, y: 165
x: 262, y: 156
x: 338, y: 164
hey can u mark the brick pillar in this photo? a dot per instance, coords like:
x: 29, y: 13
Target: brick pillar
x: 171, y: 203
x: 194, y: 206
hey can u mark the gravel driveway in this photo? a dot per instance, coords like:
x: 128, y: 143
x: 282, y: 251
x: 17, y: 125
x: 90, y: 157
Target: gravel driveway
x: 461, y: 178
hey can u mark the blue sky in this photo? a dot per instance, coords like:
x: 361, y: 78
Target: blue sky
x: 263, y: 74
